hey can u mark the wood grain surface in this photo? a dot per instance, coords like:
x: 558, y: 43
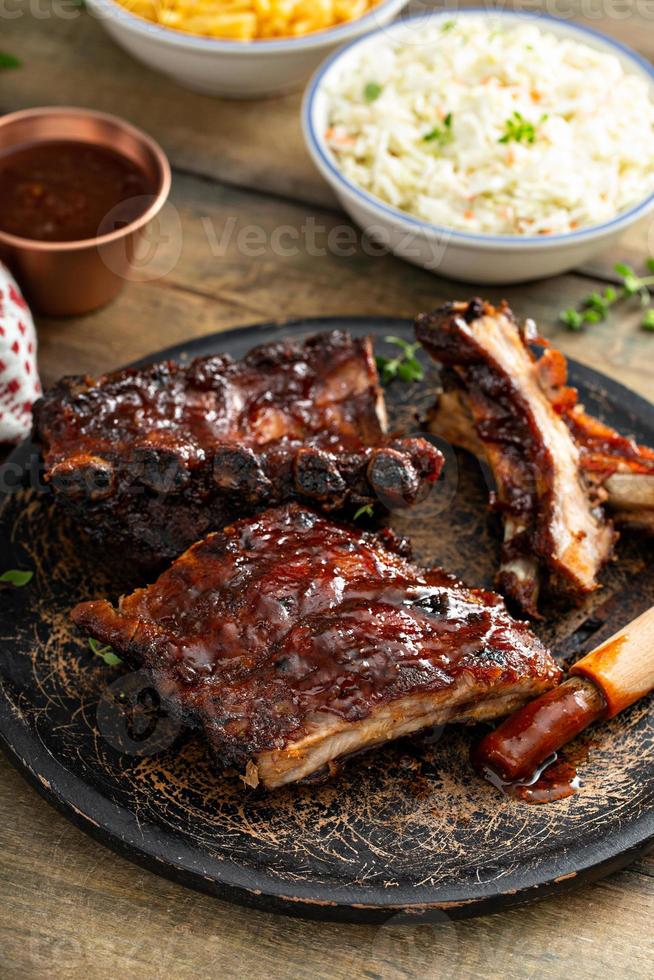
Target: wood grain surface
x: 70, y: 908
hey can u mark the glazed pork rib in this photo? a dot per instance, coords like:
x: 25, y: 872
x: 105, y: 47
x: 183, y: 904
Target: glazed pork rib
x: 617, y: 470
x: 154, y: 457
x: 294, y: 641
x: 506, y: 404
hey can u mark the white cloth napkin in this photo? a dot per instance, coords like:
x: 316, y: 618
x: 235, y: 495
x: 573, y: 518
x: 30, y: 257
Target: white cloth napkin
x: 19, y: 381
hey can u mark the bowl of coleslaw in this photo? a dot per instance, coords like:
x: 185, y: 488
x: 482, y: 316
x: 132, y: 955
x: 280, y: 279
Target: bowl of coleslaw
x: 490, y: 147
x: 247, y: 50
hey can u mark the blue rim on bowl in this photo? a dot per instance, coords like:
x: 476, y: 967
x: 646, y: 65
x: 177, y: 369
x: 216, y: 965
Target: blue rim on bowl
x: 112, y: 10
x: 326, y: 164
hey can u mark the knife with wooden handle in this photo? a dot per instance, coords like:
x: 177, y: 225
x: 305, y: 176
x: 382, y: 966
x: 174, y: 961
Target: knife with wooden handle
x: 601, y: 685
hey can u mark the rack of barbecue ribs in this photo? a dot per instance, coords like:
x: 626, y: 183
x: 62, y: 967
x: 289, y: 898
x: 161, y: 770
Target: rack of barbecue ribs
x: 152, y: 458
x: 294, y: 641
x: 555, y: 467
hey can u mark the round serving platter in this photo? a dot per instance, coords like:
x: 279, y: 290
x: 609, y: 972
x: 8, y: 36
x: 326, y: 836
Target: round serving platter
x: 409, y: 828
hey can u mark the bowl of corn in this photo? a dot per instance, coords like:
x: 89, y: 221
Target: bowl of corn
x: 240, y: 49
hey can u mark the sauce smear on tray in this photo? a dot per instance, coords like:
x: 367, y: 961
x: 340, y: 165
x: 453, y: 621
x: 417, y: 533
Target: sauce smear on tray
x: 62, y: 191
x: 554, y: 780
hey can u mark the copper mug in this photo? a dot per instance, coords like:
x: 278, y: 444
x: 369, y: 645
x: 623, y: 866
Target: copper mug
x: 69, y: 278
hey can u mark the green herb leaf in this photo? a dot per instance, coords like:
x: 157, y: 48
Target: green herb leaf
x: 106, y: 652
x: 635, y: 285
x: 648, y: 321
x: 441, y: 134
x: 9, y: 60
x: 596, y: 303
x: 406, y: 367
x: 448, y: 26
x: 572, y: 319
x: 367, y: 509
x: 520, y: 130
x: 406, y: 345
x: 410, y: 370
x: 631, y: 285
x: 372, y: 91
x: 16, y: 577
x: 387, y: 368
x: 596, y: 306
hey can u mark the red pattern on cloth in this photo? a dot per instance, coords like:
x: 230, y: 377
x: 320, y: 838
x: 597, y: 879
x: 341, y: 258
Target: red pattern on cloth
x: 19, y: 380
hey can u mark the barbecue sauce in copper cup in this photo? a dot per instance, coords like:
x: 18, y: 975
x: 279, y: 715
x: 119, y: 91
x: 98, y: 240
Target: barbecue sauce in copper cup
x: 77, y: 190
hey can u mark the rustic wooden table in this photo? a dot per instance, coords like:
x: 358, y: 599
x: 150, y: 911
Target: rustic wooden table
x: 70, y: 908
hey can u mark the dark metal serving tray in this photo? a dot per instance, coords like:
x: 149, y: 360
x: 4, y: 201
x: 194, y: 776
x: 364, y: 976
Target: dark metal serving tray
x: 409, y: 827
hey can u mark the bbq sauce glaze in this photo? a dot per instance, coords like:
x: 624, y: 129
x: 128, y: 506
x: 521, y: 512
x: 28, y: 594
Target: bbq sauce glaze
x: 63, y: 190
x: 288, y: 617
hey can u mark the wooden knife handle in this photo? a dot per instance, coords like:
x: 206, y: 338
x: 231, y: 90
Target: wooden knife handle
x: 623, y: 667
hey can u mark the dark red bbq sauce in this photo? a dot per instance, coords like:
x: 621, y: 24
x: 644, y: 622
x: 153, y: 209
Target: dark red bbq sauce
x: 554, y: 780
x: 64, y: 191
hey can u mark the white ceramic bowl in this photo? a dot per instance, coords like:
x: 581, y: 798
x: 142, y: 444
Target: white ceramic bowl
x: 233, y: 69
x: 456, y: 254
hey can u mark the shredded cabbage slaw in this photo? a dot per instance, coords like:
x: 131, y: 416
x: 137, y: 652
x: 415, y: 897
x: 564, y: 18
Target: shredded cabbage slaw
x: 495, y: 129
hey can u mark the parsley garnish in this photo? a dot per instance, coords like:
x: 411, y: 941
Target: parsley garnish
x: 367, y: 509
x: 441, y: 134
x: 9, y: 60
x: 372, y: 91
x: 16, y: 577
x: 448, y: 26
x: 405, y: 366
x: 595, y: 307
x: 106, y: 652
x: 520, y: 130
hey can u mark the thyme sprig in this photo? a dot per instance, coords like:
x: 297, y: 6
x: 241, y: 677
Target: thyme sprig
x: 16, y: 577
x: 596, y: 306
x: 405, y: 366
x: 104, y: 651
